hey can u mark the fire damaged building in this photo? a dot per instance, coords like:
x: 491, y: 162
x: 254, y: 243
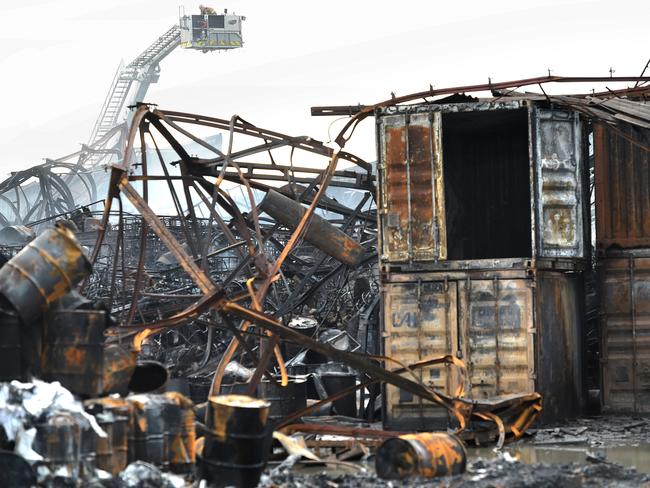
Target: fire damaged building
x: 295, y: 304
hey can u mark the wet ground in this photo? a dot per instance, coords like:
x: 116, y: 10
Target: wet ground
x: 596, y: 451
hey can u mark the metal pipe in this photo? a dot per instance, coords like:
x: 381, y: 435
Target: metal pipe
x: 320, y: 232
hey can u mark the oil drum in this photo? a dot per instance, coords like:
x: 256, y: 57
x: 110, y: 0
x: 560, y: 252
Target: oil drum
x: 284, y: 400
x: 42, y: 272
x: 237, y: 441
x: 73, y: 350
x: 58, y: 440
x: 12, y: 364
x: 425, y: 454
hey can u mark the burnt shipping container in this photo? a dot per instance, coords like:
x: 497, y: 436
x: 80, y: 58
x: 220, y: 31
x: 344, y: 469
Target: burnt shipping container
x: 484, y: 234
x: 481, y: 181
x: 622, y: 180
x: 625, y: 331
x: 518, y: 331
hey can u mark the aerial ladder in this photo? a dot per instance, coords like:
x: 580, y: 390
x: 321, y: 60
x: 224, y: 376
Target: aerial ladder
x: 210, y: 32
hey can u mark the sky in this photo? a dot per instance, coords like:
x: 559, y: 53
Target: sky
x: 57, y: 59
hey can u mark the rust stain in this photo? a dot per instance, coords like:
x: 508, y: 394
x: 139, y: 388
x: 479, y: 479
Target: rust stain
x: 75, y: 356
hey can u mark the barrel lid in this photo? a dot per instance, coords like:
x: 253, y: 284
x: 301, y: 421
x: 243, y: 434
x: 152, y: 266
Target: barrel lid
x: 239, y: 401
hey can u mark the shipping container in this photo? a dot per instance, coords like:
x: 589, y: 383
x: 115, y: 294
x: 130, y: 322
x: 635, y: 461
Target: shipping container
x: 625, y: 331
x: 518, y: 331
x: 622, y: 180
x: 480, y: 181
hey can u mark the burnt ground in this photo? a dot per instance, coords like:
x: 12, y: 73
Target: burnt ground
x: 591, y: 452
x: 482, y: 473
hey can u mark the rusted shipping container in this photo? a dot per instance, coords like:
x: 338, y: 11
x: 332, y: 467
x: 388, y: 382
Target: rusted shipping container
x: 517, y: 331
x: 480, y: 181
x: 625, y: 331
x: 622, y: 189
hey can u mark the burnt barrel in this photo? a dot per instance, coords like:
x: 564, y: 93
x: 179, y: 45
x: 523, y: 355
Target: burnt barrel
x: 236, y: 442
x: 73, y: 350
x: 428, y: 455
x: 42, y: 272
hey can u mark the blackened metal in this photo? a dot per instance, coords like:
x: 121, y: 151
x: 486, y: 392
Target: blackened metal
x: 42, y: 272
x: 284, y: 400
x: 320, y: 232
x: 426, y: 455
x: 119, y: 365
x: 148, y: 376
x: 58, y: 440
x: 73, y: 350
x: 622, y: 194
x: 15, y: 470
x: 236, y: 445
x: 12, y: 364
x: 147, y: 432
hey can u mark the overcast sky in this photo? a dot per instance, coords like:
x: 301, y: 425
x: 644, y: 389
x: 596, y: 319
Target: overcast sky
x: 57, y: 58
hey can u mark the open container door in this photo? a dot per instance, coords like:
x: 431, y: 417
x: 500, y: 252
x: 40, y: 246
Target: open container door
x: 558, y: 166
x: 411, y: 189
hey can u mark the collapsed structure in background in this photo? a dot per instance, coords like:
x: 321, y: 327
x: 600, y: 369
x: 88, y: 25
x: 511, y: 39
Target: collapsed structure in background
x: 442, y: 287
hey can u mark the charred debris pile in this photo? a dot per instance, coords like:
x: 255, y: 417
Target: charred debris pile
x: 295, y: 302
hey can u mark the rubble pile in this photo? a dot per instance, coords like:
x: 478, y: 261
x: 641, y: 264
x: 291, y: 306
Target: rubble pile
x: 296, y: 306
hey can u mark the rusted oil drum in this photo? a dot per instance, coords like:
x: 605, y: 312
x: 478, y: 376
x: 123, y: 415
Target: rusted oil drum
x: 336, y: 377
x: 119, y: 365
x: 149, y: 376
x: 116, y: 412
x: 320, y: 232
x: 42, y: 272
x: 88, y: 451
x: 182, y: 449
x: 180, y: 430
x: 104, y: 445
x: 284, y: 400
x: 59, y: 442
x: 73, y: 350
x: 306, y: 326
x: 12, y: 363
x: 237, y: 441
x: 147, y: 431
x: 199, y: 389
x: 426, y: 455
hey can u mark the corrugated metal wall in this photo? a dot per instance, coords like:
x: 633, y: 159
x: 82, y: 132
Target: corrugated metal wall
x: 625, y: 332
x: 622, y: 187
x: 411, y: 210
x: 487, y: 322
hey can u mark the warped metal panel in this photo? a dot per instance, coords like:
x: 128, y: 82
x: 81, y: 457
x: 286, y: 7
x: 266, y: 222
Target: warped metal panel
x: 497, y: 324
x: 626, y: 333
x: 622, y: 186
x: 411, y: 190
x: 558, y: 173
x: 419, y: 322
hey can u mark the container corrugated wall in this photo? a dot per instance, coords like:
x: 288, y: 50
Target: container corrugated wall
x: 419, y: 323
x: 497, y: 321
x: 517, y: 333
x: 411, y: 210
x: 625, y: 332
x: 622, y: 187
x: 488, y: 323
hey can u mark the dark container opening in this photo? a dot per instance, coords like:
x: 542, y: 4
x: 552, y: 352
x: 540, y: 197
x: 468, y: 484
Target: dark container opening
x: 487, y: 184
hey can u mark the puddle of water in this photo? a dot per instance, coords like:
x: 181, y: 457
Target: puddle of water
x: 637, y: 456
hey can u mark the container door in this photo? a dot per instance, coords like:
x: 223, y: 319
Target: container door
x: 411, y: 190
x: 419, y: 323
x: 625, y: 333
x: 557, y: 143
x: 497, y: 335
